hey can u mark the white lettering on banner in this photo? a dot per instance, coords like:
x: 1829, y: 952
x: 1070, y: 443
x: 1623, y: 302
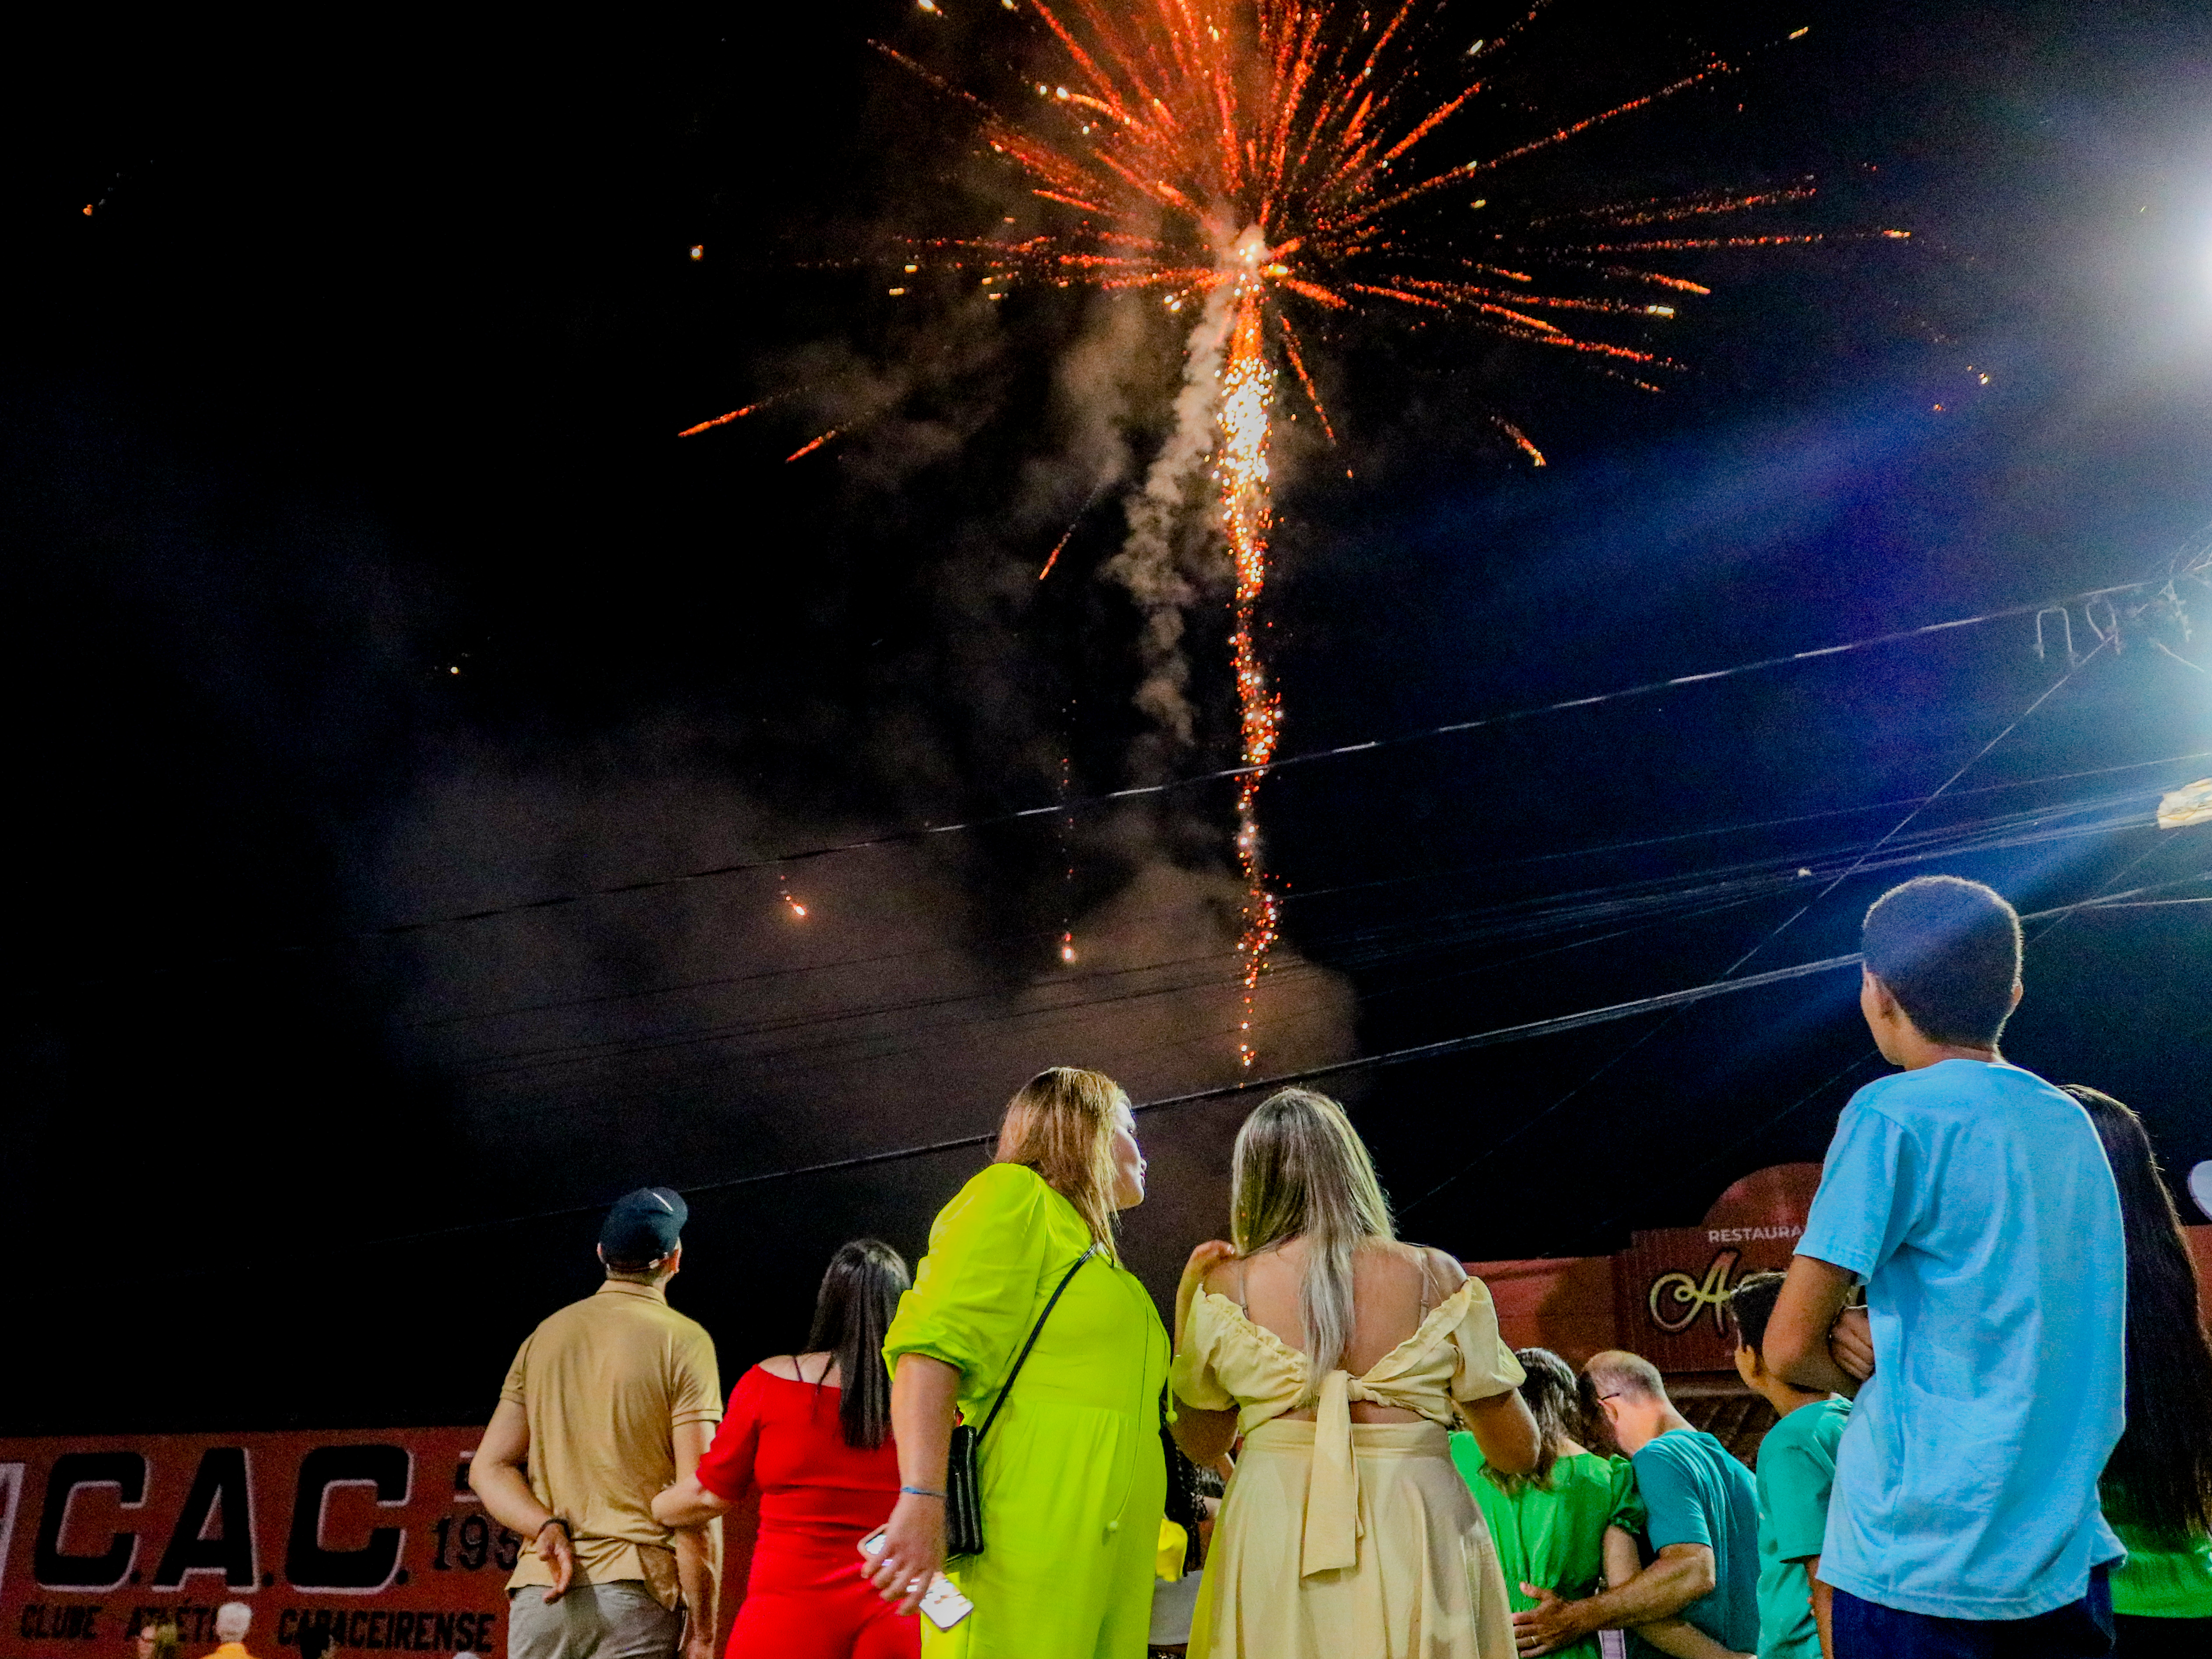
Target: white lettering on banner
x: 1750, y: 1235
x: 11, y: 1498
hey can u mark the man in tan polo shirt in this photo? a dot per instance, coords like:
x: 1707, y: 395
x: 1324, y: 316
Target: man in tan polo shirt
x: 610, y: 1399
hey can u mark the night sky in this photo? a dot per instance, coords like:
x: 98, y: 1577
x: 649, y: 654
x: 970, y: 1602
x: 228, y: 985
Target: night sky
x: 356, y: 577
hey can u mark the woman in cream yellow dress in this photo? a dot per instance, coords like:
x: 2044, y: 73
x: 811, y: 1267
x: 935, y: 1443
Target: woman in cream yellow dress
x: 1344, y: 1357
x: 1071, y: 1473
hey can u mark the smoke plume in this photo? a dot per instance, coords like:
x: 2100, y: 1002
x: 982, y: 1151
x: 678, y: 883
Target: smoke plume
x: 1151, y: 564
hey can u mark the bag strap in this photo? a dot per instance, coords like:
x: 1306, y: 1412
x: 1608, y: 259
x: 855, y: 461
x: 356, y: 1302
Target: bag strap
x: 1035, y: 1330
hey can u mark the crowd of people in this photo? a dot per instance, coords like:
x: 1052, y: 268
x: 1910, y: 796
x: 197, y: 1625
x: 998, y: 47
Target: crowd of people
x: 1987, y: 1362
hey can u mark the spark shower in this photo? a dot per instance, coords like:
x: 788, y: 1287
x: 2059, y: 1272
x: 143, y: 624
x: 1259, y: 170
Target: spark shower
x: 1261, y: 163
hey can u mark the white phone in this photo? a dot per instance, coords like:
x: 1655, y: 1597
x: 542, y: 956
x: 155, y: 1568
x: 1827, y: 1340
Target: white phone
x: 943, y: 1604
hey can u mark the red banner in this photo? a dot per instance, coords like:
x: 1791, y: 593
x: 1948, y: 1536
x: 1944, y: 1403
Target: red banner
x: 374, y: 1535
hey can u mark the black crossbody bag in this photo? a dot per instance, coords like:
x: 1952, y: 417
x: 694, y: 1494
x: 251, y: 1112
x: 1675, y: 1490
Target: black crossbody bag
x: 963, y: 1490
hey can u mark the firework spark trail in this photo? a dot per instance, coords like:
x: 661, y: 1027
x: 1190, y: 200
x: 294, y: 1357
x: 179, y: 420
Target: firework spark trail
x: 1068, y: 535
x: 1521, y: 440
x: 1238, y: 157
x: 734, y: 415
x: 1247, y: 388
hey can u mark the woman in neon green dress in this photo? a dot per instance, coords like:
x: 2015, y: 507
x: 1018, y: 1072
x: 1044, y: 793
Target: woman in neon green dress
x: 1072, y: 1480
x: 1569, y: 1525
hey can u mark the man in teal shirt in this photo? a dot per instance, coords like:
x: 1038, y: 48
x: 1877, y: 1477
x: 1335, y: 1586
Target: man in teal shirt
x: 1702, y: 1520
x: 1796, y: 1471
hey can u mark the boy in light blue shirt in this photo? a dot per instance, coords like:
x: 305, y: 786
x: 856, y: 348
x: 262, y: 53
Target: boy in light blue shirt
x: 1973, y: 1201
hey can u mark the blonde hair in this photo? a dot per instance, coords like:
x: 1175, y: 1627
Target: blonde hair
x: 1302, y: 1171
x: 1061, y: 1123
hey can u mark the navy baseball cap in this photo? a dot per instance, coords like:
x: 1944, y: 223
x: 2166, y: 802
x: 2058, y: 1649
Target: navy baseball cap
x: 644, y: 1225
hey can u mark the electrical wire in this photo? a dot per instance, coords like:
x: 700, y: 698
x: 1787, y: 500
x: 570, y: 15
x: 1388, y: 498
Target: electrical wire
x: 1294, y: 897
x: 924, y: 832
x: 2073, y: 667
x: 2058, y: 919
x: 1524, y: 1031
x: 1431, y: 934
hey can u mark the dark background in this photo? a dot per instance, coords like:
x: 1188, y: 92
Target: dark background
x: 366, y: 369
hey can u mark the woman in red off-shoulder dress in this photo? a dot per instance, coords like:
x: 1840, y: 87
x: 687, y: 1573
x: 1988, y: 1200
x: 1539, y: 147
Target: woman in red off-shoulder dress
x: 812, y: 1432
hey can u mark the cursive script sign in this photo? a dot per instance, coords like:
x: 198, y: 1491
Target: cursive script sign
x: 1676, y: 1299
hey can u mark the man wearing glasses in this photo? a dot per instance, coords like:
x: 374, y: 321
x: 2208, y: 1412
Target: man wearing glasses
x: 1704, y: 1522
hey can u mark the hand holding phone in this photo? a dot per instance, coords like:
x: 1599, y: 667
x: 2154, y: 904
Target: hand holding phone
x: 942, y: 1603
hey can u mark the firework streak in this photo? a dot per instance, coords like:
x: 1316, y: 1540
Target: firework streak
x: 1306, y: 157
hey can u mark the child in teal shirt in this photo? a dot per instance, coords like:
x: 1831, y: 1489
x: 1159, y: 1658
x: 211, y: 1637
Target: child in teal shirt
x: 1796, y: 1468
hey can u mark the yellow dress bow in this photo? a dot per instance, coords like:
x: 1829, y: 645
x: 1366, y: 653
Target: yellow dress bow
x: 1333, y: 1529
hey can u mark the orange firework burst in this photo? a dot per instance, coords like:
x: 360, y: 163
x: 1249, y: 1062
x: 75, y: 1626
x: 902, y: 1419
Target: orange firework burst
x: 1278, y: 157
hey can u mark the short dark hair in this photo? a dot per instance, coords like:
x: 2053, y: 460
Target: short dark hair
x: 1751, y: 1304
x: 1948, y: 951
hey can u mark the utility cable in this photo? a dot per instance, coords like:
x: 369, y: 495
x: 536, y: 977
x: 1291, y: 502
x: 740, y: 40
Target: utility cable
x: 1522, y: 1032
x: 1299, y: 897
x: 923, y: 832
x: 2073, y: 668
x: 2058, y: 918
x: 1658, y: 899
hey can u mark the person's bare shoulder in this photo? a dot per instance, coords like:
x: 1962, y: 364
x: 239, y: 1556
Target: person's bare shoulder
x: 784, y: 1365
x: 1441, y: 1268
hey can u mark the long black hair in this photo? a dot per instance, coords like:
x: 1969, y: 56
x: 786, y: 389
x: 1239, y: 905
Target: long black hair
x: 2163, y: 1464
x: 1555, y: 1400
x: 859, y: 1293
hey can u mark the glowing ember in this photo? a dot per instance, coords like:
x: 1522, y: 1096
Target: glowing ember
x: 734, y: 415
x: 1536, y: 455
x: 1053, y: 558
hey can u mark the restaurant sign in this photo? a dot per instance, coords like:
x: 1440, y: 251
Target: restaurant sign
x: 1671, y: 1287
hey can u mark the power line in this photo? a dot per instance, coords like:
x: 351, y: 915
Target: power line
x: 1426, y: 1050
x: 2059, y: 918
x: 2074, y: 665
x: 1555, y: 1025
x: 923, y: 832
x: 1653, y: 900
x: 1296, y: 896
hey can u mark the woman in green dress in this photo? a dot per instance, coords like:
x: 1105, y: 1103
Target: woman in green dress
x: 1072, y: 1477
x: 1569, y: 1526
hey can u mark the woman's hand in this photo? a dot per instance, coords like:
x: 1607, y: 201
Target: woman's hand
x: 1203, y: 1261
x: 1206, y: 1257
x: 913, y: 1551
x: 1851, y: 1340
x: 923, y: 1389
